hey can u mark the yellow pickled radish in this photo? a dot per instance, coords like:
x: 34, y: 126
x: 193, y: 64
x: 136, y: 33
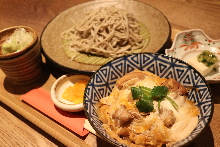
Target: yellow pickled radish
x: 75, y: 93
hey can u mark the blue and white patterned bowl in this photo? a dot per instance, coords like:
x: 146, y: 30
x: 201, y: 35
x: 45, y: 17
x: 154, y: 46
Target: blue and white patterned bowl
x: 103, y: 81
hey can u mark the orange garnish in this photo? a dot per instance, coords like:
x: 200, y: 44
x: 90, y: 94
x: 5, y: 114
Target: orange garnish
x: 75, y: 93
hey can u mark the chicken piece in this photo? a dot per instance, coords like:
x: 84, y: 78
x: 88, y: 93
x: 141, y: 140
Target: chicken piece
x: 133, y: 75
x: 167, y: 117
x: 135, y: 114
x: 175, y: 86
x: 121, y: 116
x: 131, y: 82
x: 123, y: 132
x: 179, y: 100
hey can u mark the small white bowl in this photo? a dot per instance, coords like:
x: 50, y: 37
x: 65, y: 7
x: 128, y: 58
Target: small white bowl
x: 59, y: 87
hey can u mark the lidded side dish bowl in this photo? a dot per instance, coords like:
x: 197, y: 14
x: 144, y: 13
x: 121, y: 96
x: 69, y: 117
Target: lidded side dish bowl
x: 24, y: 66
x: 103, y: 81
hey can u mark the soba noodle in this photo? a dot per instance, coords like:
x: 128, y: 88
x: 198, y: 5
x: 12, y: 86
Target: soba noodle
x: 108, y: 31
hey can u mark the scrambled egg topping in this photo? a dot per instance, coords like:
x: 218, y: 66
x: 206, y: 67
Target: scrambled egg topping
x: 164, y: 125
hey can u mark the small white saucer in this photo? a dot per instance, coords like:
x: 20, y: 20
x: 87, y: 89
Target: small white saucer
x: 58, y: 89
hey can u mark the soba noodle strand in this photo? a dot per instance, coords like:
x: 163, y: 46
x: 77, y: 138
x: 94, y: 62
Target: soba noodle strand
x: 108, y: 31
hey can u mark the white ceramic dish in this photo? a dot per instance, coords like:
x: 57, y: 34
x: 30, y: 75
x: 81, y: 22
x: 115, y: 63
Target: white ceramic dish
x: 190, y: 43
x: 59, y: 87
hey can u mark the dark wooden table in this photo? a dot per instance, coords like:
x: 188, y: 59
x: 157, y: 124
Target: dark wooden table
x: 21, y: 125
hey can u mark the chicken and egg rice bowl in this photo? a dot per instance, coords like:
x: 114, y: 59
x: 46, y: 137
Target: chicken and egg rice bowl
x: 146, y: 110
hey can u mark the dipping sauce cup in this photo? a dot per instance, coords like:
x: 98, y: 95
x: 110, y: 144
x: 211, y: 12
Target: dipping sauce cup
x: 24, y: 66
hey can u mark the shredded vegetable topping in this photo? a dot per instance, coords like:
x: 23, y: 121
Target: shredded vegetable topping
x: 18, y: 41
x: 208, y: 58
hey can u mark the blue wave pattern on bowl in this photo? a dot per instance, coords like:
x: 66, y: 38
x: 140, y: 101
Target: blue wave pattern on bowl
x: 103, y: 81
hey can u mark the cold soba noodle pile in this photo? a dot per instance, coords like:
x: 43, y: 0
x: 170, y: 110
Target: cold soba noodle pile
x: 146, y: 110
x: 107, y: 31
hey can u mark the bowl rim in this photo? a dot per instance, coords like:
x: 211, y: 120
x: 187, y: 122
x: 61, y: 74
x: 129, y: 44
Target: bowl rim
x: 63, y: 106
x: 158, y: 54
x: 14, y: 54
